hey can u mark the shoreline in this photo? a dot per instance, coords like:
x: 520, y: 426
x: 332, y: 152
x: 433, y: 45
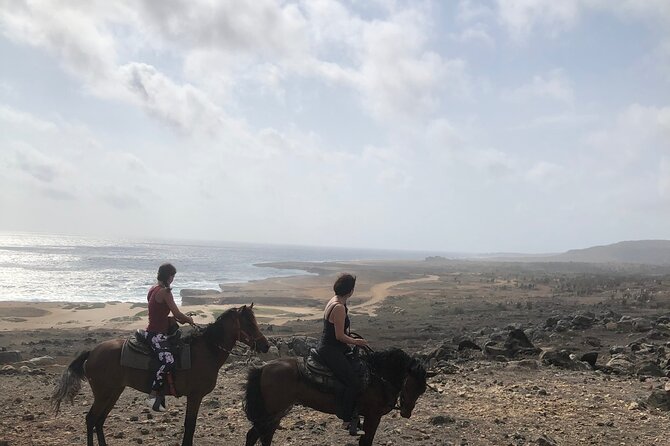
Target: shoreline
x: 277, y: 300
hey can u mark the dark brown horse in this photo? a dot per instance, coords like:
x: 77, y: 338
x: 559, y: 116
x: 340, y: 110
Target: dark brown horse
x: 272, y: 389
x: 209, y: 350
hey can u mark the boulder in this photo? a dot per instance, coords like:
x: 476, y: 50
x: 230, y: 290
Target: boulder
x: 583, y: 320
x: 590, y: 358
x: 621, y: 363
x: 660, y: 399
x: 641, y: 324
x: 301, y: 345
x: 649, y: 368
x: 561, y: 359
x: 9, y: 356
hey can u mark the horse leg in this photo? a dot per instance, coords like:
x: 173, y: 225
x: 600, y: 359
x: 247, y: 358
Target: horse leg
x: 110, y: 402
x: 252, y: 436
x: 92, y: 416
x: 268, y: 432
x: 97, y: 414
x: 192, y: 407
x: 370, y: 428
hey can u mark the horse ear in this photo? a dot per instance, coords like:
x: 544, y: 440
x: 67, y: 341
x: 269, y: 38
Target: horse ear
x: 251, y: 307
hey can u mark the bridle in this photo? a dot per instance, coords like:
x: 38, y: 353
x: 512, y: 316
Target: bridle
x: 242, y: 336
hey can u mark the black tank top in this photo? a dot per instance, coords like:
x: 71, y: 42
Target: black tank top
x: 328, y: 334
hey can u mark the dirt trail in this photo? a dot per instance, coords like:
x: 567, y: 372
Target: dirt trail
x: 381, y: 291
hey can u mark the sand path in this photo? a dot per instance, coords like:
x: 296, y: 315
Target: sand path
x: 381, y: 291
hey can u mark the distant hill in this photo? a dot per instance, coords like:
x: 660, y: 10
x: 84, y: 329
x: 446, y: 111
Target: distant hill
x: 646, y: 252
x: 637, y: 252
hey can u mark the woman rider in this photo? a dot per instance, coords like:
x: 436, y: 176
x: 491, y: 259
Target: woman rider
x: 335, y: 343
x: 161, y: 303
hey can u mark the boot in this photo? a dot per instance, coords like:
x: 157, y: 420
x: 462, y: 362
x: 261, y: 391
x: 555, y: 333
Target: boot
x: 157, y: 402
x: 355, y: 428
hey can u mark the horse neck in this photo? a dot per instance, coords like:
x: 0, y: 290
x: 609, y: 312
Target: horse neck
x: 221, y: 346
x: 388, y: 372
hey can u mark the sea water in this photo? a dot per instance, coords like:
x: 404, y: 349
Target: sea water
x: 50, y: 267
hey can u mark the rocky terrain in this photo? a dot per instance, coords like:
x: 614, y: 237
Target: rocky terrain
x: 520, y: 358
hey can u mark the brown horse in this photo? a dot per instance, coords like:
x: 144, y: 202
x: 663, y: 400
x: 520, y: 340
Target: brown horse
x: 272, y: 389
x: 209, y: 350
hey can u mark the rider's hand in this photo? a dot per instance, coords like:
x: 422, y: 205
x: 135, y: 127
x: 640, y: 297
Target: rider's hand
x: 187, y: 320
x: 361, y: 342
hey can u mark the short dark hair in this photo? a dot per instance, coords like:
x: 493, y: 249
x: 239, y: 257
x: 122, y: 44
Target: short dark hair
x: 164, y: 272
x: 344, y: 284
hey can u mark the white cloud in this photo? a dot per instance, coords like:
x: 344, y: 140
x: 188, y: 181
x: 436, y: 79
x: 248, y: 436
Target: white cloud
x: 521, y: 18
x: 472, y: 11
x: 183, y: 106
x: 18, y: 118
x: 476, y: 33
x: 553, y: 86
x: 543, y: 171
x: 664, y: 179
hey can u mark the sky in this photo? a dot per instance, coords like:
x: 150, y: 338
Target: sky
x: 463, y: 126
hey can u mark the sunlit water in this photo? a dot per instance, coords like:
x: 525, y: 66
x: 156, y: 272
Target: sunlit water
x: 47, y: 267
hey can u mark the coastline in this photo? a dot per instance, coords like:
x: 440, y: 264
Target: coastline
x: 277, y: 300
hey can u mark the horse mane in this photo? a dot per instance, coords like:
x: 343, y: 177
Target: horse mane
x: 394, y: 365
x: 213, y: 332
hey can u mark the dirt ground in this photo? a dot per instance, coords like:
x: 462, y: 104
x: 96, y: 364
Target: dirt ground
x: 480, y: 400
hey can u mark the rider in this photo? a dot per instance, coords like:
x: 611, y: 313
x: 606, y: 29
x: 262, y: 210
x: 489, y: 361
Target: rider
x: 161, y: 303
x: 335, y: 343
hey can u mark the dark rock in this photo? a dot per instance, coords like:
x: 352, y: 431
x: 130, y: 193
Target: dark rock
x: 590, y: 358
x: 10, y: 356
x: 302, y: 344
x: 583, y: 320
x: 659, y: 399
x: 649, y: 368
x: 468, y: 344
x: 545, y: 440
x: 440, y: 420
x: 621, y: 363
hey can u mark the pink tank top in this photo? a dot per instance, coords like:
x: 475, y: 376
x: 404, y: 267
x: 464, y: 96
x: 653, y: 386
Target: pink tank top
x: 158, y: 312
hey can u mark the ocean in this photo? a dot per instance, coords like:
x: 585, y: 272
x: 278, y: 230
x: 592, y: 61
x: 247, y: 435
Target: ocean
x: 51, y: 267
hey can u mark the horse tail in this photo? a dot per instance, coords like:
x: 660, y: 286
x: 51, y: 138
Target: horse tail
x: 253, y: 401
x: 70, y: 381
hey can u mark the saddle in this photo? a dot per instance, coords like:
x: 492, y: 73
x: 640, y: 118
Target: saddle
x: 136, y: 352
x: 322, y: 377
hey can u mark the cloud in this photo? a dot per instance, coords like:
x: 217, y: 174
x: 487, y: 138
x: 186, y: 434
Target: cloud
x: 68, y: 33
x: 664, y: 179
x: 543, y: 171
x: 477, y: 33
x: 521, y: 18
x: 262, y: 26
x: 18, y: 118
x: 181, y: 106
x: 554, y: 86
x: 472, y: 11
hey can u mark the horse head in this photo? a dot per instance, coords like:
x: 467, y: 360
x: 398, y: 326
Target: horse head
x: 249, y: 333
x: 412, y: 388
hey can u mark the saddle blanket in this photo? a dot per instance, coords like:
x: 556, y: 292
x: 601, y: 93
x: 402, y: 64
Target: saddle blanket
x: 137, y: 354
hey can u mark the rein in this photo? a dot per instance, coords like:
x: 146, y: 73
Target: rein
x: 241, y: 336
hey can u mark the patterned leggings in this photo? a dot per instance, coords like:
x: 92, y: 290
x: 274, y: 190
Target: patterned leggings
x: 161, y: 347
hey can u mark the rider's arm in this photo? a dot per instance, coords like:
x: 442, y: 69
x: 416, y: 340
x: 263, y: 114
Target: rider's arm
x: 338, y: 315
x: 169, y: 300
